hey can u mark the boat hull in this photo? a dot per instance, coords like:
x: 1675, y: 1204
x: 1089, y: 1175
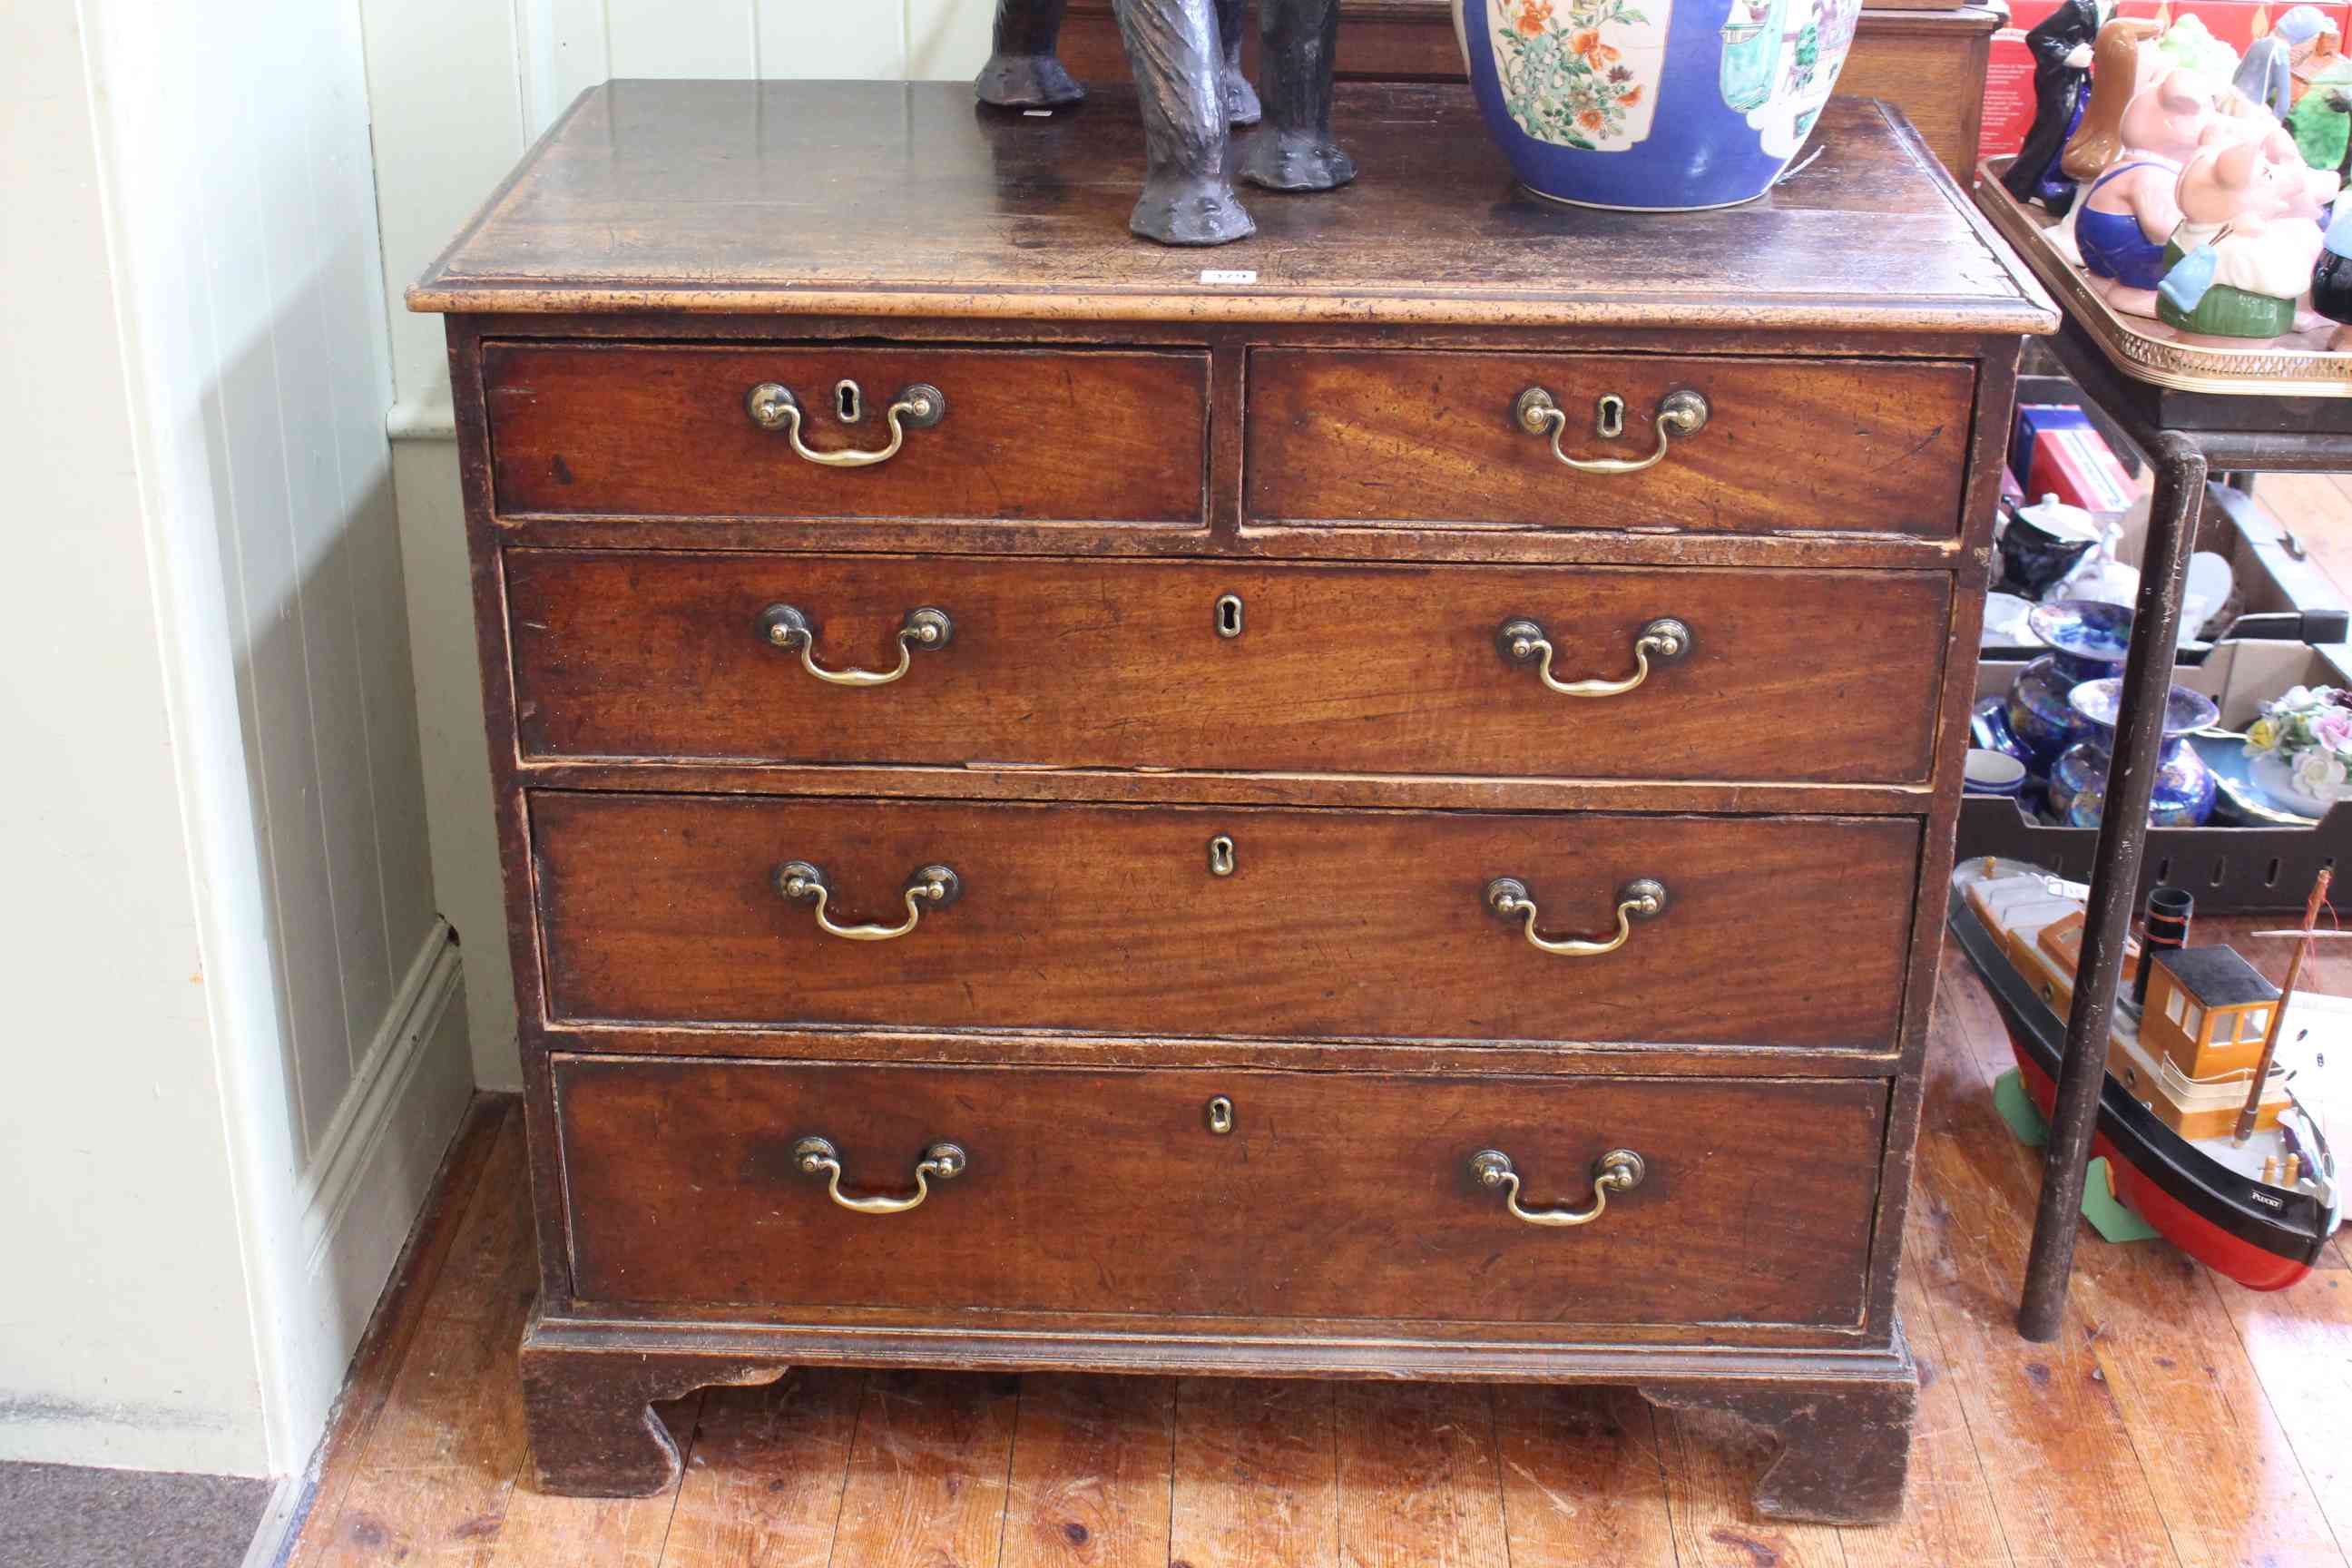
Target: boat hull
x: 2189, y: 1199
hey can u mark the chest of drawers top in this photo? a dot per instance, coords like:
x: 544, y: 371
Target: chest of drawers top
x: 908, y: 200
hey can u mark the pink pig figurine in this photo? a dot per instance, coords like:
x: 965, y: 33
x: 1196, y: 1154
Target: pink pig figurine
x: 2248, y: 209
x: 2129, y: 210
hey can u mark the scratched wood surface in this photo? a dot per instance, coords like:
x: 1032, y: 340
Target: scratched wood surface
x: 2179, y: 1420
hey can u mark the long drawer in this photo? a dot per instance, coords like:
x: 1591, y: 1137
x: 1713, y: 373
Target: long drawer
x: 1327, y: 1196
x: 1253, y: 922
x: 1784, y: 445
x: 670, y: 431
x: 1808, y: 676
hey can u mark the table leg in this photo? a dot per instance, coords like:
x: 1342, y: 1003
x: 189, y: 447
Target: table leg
x: 2115, y: 878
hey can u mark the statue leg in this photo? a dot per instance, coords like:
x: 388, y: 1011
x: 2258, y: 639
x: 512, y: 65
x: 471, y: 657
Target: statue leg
x: 1179, y: 60
x: 1295, y: 151
x: 1024, y: 72
x: 1242, y: 107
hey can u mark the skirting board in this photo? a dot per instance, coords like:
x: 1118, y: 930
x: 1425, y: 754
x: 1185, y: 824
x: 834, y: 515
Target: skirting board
x: 373, y: 1170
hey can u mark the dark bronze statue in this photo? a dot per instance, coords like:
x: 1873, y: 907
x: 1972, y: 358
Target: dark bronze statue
x: 1186, y: 54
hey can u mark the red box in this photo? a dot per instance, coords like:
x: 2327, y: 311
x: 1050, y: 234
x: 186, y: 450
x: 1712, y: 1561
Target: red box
x: 2077, y: 466
x: 2009, y: 70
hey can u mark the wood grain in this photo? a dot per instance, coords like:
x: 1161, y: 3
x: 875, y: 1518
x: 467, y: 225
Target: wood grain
x: 441, y: 1464
x: 1582, y: 1480
x: 1355, y: 1193
x: 1093, y: 1463
x: 1258, y: 1475
x: 635, y: 429
x: 1121, y: 665
x: 928, y: 1474
x: 1393, y: 435
x: 661, y: 908
x: 764, y: 1478
x: 994, y: 216
x: 1418, y: 1467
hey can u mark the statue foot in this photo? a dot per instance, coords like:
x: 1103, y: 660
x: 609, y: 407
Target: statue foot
x: 1027, y: 81
x: 1295, y: 160
x: 1180, y: 209
x: 1242, y: 107
x: 2129, y: 301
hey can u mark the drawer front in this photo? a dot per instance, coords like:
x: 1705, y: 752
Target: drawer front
x: 1333, y: 1195
x: 627, y: 429
x: 1370, y: 437
x: 1108, y: 664
x: 1776, y: 930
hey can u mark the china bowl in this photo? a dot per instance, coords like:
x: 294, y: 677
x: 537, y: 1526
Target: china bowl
x: 1652, y: 105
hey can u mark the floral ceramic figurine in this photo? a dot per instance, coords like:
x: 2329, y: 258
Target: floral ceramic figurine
x: 2194, y: 47
x: 2245, y: 250
x: 2302, y: 747
x: 2061, y: 43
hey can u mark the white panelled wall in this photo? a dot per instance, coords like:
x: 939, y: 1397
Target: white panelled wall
x: 237, y: 1054
x: 457, y: 89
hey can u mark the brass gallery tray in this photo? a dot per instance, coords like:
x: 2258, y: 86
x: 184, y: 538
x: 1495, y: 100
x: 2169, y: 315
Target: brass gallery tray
x: 2298, y: 365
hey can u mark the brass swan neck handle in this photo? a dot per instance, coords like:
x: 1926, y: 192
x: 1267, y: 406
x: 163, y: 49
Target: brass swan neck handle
x: 772, y: 406
x: 1523, y: 641
x: 1642, y: 899
x: 788, y: 626
x: 1683, y: 412
x: 797, y: 881
x: 818, y: 1157
x: 1617, y: 1170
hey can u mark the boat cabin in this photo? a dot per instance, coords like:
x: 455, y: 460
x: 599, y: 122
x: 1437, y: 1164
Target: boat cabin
x: 2208, y: 1011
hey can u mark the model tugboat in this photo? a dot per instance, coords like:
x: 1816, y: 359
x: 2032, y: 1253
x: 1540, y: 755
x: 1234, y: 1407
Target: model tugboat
x: 2204, y: 1119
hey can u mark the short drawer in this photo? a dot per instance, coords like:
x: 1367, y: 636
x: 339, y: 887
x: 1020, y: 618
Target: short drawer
x: 1325, y: 923
x: 1827, y: 676
x: 1331, y: 1196
x: 1372, y: 437
x: 667, y: 431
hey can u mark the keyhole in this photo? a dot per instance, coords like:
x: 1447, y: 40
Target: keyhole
x: 849, y: 401
x: 1611, y: 416
x: 1221, y: 1115
x: 1229, y: 615
x: 1221, y: 855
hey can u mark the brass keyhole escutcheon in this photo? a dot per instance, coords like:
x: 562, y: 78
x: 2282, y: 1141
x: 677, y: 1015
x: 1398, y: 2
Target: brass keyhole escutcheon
x: 1221, y: 855
x: 848, y: 402
x: 1608, y: 418
x: 1220, y: 1112
x: 1229, y: 614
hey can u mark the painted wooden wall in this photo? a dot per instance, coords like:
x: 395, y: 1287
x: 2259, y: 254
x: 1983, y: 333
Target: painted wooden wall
x: 229, y: 981
x: 457, y: 89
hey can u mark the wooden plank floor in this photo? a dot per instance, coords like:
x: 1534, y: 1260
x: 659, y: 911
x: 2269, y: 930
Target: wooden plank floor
x: 2179, y: 1420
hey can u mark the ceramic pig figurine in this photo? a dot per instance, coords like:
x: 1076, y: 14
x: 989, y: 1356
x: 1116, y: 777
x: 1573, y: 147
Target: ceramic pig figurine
x: 2248, y: 251
x: 2129, y: 210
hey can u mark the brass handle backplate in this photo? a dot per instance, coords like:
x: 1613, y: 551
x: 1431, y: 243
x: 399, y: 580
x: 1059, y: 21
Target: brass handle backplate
x: 1617, y: 1170
x: 1526, y: 642
x: 818, y: 1157
x: 1509, y: 900
x: 787, y: 626
x: 772, y: 406
x: 1679, y: 414
x: 797, y: 881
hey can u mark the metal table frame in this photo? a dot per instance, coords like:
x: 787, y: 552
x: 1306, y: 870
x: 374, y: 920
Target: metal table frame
x: 2184, y: 435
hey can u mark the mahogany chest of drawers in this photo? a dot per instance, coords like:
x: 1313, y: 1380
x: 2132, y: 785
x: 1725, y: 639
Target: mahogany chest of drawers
x: 1372, y: 810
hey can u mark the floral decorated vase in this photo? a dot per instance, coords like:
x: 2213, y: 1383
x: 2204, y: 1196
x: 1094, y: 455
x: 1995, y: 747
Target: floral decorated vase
x: 2087, y: 640
x: 1652, y: 105
x: 2302, y: 749
x: 2185, y: 787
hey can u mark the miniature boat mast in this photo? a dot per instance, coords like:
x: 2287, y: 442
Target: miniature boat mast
x: 2253, y: 1111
